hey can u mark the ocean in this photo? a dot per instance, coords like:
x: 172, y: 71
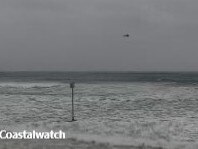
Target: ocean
x: 155, y: 109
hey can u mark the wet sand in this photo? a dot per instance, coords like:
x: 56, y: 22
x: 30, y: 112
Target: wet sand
x: 65, y: 144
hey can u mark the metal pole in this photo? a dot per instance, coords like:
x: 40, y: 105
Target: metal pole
x: 72, y: 104
x: 72, y: 85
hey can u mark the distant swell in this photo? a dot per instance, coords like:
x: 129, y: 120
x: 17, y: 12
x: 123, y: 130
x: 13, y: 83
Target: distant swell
x: 92, y: 77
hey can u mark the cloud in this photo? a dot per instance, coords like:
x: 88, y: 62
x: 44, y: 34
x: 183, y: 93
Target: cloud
x: 51, y: 34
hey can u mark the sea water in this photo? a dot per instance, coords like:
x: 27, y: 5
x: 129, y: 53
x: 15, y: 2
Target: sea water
x: 120, y: 107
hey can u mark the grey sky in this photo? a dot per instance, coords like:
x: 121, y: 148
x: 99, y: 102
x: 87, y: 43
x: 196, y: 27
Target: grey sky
x: 87, y: 35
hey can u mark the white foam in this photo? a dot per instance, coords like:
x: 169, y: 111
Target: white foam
x: 27, y: 84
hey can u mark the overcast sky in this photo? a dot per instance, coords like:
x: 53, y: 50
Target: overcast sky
x: 81, y: 35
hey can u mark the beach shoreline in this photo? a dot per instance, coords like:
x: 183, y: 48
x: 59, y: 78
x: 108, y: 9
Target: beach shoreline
x: 67, y: 143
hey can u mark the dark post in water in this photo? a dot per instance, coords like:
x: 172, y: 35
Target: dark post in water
x: 72, y: 85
